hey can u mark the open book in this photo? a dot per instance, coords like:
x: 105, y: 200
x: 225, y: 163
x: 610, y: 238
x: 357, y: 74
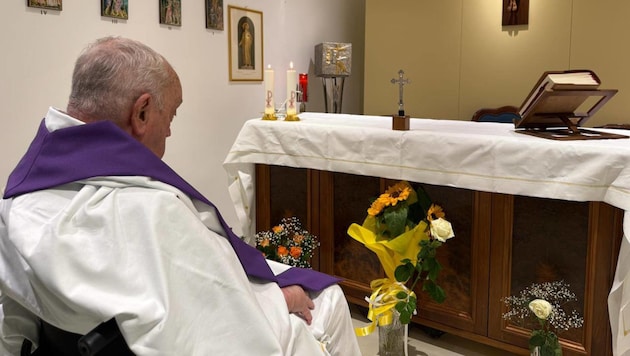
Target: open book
x: 560, y: 103
x: 561, y: 80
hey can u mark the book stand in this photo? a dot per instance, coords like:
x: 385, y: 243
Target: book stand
x: 552, y: 115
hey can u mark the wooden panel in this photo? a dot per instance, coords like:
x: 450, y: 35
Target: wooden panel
x: 464, y: 259
x: 352, y: 260
x: 503, y: 243
x: 541, y: 240
x: 285, y: 192
x: 281, y: 192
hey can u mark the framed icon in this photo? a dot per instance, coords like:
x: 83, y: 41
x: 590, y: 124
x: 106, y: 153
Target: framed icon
x: 46, y: 4
x: 214, y: 14
x: 118, y: 9
x: 515, y: 12
x: 171, y: 12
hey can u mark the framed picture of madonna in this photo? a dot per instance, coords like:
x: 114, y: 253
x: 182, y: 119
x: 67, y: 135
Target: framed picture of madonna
x: 245, y: 46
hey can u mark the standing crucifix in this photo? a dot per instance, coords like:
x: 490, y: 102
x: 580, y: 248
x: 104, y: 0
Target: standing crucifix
x: 401, y: 82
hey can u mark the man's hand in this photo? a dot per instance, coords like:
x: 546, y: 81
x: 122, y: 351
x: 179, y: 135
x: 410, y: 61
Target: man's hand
x: 298, y: 302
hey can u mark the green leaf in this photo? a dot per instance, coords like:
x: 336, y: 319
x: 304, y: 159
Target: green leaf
x: 402, y: 273
x: 426, y: 264
x: 537, y: 339
x: 434, y: 269
x: 405, y: 317
x: 410, y: 308
x: 428, y: 250
x: 395, y: 218
x: 403, y: 308
x: 413, y: 301
x: 435, y: 292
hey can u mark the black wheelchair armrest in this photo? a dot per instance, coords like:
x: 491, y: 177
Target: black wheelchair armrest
x: 105, y: 339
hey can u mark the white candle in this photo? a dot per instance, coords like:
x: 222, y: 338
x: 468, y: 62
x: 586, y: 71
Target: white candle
x: 269, y: 105
x: 291, y: 88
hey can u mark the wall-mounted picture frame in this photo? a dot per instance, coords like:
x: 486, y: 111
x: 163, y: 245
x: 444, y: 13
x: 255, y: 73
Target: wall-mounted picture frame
x: 171, y: 12
x: 214, y: 14
x: 245, y: 45
x: 118, y: 9
x: 515, y: 12
x: 46, y: 4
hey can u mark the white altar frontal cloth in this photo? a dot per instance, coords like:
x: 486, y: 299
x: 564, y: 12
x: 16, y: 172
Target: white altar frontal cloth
x: 482, y: 156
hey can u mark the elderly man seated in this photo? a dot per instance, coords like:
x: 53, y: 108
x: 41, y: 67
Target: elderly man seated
x: 94, y: 226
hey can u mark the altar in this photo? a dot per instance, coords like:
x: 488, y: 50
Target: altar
x: 523, y: 208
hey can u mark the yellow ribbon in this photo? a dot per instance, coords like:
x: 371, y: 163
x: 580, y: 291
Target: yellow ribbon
x: 383, y: 299
x: 390, y: 253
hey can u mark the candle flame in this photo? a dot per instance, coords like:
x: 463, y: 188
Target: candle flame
x: 268, y: 66
x: 291, y: 65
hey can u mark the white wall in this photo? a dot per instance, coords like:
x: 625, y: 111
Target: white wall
x: 38, y: 53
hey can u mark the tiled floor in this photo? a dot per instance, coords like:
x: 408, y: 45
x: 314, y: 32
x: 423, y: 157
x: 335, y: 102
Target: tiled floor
x: 420, y: 344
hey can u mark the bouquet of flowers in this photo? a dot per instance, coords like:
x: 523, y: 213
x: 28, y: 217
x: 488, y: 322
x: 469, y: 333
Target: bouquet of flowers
x: 541, y: 308
x: 288, y: 243
x: 405, y: 230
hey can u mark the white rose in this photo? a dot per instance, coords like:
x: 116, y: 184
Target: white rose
x: 441, y: 229
x: 541, y: 308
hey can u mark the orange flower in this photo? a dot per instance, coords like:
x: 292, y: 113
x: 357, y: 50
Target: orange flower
x: 282, y: 251
x: 264, y: 243
x: 394, y: 194
x: 435, y: 211
x: 277, y: 229
x: 296, y: 252
x: 298, y: 238
x: 377, y: 206
x: 399, y: 192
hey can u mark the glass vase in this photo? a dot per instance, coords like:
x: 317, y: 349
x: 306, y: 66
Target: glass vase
x: 535, y: 351
x: 392, y: 338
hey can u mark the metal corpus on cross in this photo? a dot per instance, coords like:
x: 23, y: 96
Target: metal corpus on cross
x: 401, y: 82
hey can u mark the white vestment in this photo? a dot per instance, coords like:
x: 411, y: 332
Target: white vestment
x: 143, y: 252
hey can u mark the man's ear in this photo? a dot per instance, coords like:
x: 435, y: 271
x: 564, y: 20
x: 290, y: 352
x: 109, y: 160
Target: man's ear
x: 139, y: 115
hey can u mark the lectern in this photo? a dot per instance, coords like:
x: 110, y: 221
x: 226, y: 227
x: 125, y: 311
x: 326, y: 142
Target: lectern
x: 556, y: 111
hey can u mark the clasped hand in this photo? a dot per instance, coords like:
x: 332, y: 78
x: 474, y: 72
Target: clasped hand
x: 299, y: 302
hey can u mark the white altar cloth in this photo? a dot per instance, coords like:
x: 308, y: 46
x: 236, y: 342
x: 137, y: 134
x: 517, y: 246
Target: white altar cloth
x: 480, y: 156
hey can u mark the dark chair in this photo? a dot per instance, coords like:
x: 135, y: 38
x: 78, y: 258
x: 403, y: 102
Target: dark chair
x: 615, y: 126
x: 104, y: 340
x: 505, y: 114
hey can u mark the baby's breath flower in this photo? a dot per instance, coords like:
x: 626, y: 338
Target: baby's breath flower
x: 288, y: 243
x: 557, y: 294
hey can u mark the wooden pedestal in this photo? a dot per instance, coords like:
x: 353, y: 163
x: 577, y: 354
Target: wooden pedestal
x: 400, y: 123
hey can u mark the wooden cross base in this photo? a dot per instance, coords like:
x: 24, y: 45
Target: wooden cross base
x: 400, y: 123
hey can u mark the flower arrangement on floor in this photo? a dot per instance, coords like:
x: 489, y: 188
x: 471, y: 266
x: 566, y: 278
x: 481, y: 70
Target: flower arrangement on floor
x: 405, y: 230
x: 288, y: 243
x: 541, y: 308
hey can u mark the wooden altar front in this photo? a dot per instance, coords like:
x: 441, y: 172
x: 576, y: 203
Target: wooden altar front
x: 507, y: 237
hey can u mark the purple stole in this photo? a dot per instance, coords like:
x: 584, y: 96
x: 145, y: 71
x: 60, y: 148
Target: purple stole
x: 103, y: 149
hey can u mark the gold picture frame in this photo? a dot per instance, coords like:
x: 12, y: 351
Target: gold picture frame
x: 245, y: 45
